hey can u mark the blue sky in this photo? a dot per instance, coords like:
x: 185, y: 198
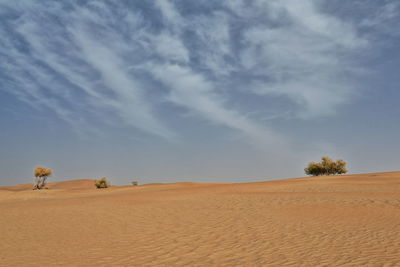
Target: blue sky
x: 166, y: 91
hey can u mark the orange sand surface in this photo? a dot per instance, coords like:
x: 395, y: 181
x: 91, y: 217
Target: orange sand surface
x: 351, y: 220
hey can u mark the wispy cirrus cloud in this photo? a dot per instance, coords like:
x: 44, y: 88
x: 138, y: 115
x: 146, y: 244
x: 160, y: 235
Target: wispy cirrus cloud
x: 125, y: 63
x: 386, y: 13
x: 302, y: 56
x: 192, y: 91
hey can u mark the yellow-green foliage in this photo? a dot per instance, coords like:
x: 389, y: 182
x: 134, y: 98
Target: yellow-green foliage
x: 326, y: 167
x: 135, y: 183
x: 101, y: 183
x: 41, y: 174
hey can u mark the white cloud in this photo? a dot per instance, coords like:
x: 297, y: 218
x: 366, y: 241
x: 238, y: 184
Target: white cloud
x: 214, y: 37
x: 384, y: 19
x: 304, y: 58
x: 100, y: 55
x: 196, y: 94
x: 170, y: 47
x: 115, y: 89
x: 128, y: 98
x: 170, y: 13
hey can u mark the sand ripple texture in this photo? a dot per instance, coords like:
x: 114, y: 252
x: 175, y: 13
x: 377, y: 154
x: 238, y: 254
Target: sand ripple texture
x: 349, y: 220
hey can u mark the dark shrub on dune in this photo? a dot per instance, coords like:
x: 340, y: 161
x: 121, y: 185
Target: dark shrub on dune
x: 102, y: 183
x: 326, y: 167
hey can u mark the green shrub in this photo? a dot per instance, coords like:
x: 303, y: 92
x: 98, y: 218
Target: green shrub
x: 135, y: 183
x: 101, y: 183
x: 326, y: 167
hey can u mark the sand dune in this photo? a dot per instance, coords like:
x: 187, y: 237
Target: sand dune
x: 351, y: 220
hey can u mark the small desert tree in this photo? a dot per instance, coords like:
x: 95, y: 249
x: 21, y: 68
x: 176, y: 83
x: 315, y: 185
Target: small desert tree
x: 102, y: 183
x: 314, y: 169
x: 41, y: 175
x: 326, y: 167
x: 340, y: 167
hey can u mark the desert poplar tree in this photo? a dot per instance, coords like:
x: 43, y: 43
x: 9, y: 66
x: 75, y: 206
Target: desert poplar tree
x: 41, y: 175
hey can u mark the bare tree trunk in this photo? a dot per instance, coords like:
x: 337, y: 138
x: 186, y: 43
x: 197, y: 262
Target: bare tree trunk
x: 43, y: 182
x: 40, y: 183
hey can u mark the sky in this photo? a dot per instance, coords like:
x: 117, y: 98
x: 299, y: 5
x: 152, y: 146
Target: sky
x: 194, y: 90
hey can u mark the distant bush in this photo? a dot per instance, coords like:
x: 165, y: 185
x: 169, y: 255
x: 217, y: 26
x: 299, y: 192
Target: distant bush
x: 135, y: 183
x: 102, y: 183
x: 41, y: 175
x: 326, y: 167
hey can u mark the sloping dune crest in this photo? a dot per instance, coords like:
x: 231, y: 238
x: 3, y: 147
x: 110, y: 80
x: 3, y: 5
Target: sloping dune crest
x: 66, y: 185
x: 350, y: 220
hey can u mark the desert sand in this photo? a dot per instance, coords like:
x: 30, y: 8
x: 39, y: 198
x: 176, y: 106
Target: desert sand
x: 349, y: 220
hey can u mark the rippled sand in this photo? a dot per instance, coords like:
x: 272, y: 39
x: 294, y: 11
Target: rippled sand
x: 326, y: 221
